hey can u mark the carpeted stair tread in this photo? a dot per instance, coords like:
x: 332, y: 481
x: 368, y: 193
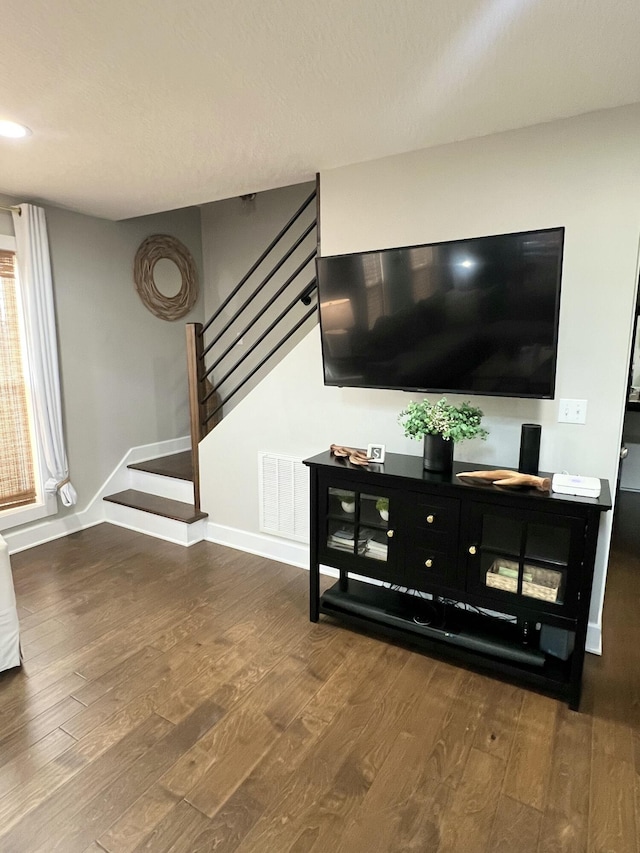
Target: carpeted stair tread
x: 178, y: 465
x: 166, y: 507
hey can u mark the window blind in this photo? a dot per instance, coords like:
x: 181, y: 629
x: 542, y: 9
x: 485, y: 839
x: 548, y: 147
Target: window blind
x: 17, y: 478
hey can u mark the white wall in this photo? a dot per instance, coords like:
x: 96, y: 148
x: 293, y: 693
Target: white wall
x: 292, y: 413
x: 123, y: 370
x: 581, y: 173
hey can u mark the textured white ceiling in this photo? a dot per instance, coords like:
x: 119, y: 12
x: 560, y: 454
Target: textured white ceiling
x: 138, y: 106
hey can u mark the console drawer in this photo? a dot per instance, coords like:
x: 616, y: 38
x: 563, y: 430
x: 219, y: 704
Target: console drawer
x: 434, y: 514
x: 429, y: 566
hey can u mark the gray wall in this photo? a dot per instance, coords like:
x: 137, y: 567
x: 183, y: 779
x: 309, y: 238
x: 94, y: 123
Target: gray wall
x: 6, y: 224
x: 234, y: 235
x: 123, y: 370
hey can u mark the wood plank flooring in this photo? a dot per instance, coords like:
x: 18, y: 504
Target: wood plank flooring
x: 177, y: 699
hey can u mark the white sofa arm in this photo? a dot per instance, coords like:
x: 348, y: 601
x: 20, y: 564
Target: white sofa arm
x: 9, y: 627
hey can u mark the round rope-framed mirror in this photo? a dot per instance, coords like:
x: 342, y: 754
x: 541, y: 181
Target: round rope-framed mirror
x: 153, y: 249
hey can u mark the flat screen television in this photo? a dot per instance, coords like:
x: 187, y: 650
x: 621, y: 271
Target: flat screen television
x: 476, y: 316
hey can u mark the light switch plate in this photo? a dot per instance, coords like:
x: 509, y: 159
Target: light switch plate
x: 572, y: 412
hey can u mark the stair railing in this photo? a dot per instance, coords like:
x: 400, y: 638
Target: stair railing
x: 207, y: 398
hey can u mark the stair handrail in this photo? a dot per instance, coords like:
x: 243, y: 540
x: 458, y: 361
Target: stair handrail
x: 259, y: 288
x: 266, y: 306
x: 257, y: 343
x: 261, y: 363
x: 255, y: 266
x: 198, y: 373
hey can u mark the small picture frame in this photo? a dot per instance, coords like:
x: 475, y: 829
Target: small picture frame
x: 375, y: 452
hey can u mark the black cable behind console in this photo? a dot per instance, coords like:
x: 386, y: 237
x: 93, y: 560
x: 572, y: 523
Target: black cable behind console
x: 363, y: 604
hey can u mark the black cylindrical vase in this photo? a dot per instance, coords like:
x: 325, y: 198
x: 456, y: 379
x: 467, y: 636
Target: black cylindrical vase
x: 529, y: 448
x: 437, y: 454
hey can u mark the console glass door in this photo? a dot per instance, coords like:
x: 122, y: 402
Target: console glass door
x: 358, y: 523
x: 358, y: 535
x: 374, y: 526
x: 342, y: 521
x: 523, y: 555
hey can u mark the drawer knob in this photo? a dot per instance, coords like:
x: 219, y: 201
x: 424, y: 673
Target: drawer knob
x: 472, y: 550
x: 431, y: 519
x: 390, y: 534
x: 428, y: 563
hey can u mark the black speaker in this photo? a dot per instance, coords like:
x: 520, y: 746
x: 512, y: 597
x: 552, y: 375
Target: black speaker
x: 557, y: 641
x: 529, y: 448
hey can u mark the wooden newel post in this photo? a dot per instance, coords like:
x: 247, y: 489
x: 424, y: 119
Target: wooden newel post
x: 196, y: 409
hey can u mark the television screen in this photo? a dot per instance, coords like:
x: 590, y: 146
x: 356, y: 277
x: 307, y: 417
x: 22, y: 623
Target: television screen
x: 477, y: 316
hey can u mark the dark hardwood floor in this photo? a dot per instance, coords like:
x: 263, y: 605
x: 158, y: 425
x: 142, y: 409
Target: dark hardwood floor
x: 179, y: 465
x: 178, y: 699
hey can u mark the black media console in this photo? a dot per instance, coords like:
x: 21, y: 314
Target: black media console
x: 498, y: 579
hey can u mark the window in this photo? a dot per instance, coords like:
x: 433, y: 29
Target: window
x: 17, y: 484
x: 21, y: 494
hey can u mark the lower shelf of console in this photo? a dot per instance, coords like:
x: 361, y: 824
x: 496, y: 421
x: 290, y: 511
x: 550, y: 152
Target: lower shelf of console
x: 491, y: 645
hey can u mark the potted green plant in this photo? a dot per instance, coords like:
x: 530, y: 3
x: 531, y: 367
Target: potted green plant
x: 441, y: 425
x: 382, y: 505
x: 347, y: 500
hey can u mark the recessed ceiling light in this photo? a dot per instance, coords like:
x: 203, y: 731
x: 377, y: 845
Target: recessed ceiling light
x: 13, y: 130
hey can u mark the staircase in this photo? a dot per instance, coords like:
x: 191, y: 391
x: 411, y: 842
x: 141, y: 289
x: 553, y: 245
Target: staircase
x: 159, y: 500
x: 277, y: 297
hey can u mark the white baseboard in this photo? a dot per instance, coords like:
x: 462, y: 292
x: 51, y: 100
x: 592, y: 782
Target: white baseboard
x: 119, y: 479
x: 282, y: 550
x: 157, y: 449
x: 271, y: 547
x: 94, y: 513
x: 21, y: 540
x: 594, y: 639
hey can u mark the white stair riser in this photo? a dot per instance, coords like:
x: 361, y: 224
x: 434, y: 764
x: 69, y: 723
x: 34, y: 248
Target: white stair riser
x: 155, y: 525
x: 157, y: 484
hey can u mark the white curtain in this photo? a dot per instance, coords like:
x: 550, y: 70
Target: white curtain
x: 34, y: 267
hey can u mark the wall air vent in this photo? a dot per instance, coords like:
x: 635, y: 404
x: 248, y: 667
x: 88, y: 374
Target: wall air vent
x: 284, y: 496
